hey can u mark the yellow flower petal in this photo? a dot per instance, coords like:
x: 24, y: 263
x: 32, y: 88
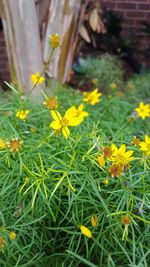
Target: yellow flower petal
x: 85, y: 231
x: 101, y: 161
x: 56, y: 125
x: 56, y: 115
x: 75, y: 121
x: 147, y: 139
x: 94, y: 220
x: 122, y: 149
x: 81, y: 107
x: 129, y: 153
x: 71, y: 112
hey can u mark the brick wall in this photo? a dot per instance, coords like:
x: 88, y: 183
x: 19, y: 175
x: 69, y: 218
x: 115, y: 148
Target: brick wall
x: 133, y: 12
x: 4, y: 68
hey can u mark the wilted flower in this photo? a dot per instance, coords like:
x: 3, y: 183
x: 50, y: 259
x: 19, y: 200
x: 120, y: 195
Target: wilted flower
x: 125, y: 219
x: 92, y: 97
x: 107, y: 152
x: 143, y: 110
x: 133, y: 116
x: 54, y: 40
x: 2, y: 242
x: 22, y: 114
x: 33, y: 130
x: 37, y: 78
x: 115, y: 170
x: 85, y: 231
x: 135, y: 141
x: 51, y: 103
x: 14, y: 145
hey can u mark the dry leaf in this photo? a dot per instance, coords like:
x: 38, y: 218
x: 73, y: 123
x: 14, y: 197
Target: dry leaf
x: 84, y: 34
x: 94, y: 20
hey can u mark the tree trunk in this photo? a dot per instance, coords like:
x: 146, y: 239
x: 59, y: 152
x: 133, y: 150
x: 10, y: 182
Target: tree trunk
x: 63, y: 19
x: 22, y: 41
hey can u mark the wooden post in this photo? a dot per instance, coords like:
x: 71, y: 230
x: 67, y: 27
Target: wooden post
x: 63, y: 19
x: 22, y: 40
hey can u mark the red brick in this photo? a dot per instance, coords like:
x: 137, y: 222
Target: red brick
x: 148, y: 16
x: 109, y: 4
x: 145, y: 7
x: 135, y: 14
x: 127, y: 5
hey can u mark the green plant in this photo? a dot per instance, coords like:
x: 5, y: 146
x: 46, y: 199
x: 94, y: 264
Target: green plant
x: 106, y: 69
x: 53, y: 182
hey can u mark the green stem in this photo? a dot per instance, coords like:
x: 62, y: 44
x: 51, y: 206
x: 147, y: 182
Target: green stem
x: 41, y: 74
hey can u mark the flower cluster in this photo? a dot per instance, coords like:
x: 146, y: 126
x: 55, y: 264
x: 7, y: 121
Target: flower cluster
x: 117, y: 159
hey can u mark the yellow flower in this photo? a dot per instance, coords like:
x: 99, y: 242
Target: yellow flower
x: 54, y: 40
x: 37, y: 78
x: 125, y: 219
x: 85, y: 231
x: 22, y: 114
x: 113, y: 86
x: 94, y: 81
x: 101, y: 160
x: 143, y: 110
x: 60, y: 124
x: 145, y: 146
x: 94, y: 220
x: 121, y: 156
x: 3, y: 144
x: 106, y: 181
x: 33, y: 130
x: 12, y: 235
x: 92, y: 97
x: 107, y: 152
x: 15, y: 145
x: 51, y: 103
x: 115, y: 170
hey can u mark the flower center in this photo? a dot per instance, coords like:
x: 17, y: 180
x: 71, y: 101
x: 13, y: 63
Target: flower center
x: 64, y: 122
x: 120, y: 158
x: 107, y: 152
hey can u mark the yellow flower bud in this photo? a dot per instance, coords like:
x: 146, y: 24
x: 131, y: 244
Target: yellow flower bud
x: 85, y: 231
x: 54, y: 40
x: 94, y: 220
